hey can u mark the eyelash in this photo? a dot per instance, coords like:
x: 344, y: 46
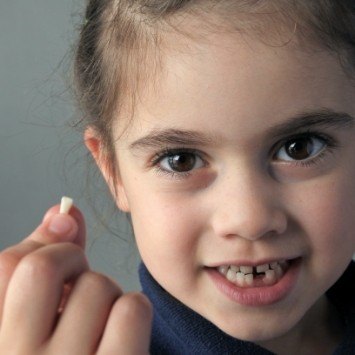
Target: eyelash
x: 330, y: 145
x: 171, y: 152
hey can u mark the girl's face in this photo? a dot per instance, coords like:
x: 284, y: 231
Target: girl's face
x: 243, y: 155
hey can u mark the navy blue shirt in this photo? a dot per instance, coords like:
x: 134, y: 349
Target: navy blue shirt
x: 179, y: 330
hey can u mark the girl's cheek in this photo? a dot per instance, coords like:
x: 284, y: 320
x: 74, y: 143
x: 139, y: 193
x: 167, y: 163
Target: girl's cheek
x: 328, y: 217
x: 168, y: 233
x: 168, y: 213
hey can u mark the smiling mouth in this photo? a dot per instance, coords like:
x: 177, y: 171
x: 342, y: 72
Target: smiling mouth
x: 255, y: 276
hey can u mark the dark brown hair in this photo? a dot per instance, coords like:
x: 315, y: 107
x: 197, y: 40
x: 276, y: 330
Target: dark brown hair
x: 119, y: 39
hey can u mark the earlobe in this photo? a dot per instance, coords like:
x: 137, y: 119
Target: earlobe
x: 95, y: 145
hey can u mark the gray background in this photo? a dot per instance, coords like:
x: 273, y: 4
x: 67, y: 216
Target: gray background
x: 41, y: 156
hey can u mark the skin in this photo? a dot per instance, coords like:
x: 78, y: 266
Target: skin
x: 107, y: 322
x: 242, y: 202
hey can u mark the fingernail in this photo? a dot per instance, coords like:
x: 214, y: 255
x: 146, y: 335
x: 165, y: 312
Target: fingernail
x: 63, y: 226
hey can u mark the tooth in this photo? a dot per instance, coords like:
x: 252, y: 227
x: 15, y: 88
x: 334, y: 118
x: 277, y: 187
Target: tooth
x: 235, y: 268
x: 223, y: 269
x: 231, y: 275
x: 262, y: 268
x: 246, y: 269
x: 65, y: 205
x: 270, y: 277
x: 240, y: 279
x: 249, y: 279
x: 274, y: 265
x: 278, y: 271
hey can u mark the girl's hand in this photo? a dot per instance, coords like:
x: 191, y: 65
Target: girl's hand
x: 51, y: 303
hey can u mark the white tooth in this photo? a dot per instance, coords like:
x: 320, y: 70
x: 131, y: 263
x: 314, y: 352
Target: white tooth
x: 270, y: 277
x: 246, y: 269
x: 262, y: 268
x: 223, y: 269
x: 249, y: 279
x: 234, y: 268
x: 231, y: 275
x: 274, y: 265
x: 278, y: 271
x: 65, y: 205
x: 240, y: 279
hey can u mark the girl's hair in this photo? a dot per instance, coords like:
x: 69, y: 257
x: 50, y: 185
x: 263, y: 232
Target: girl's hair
x: 121, y: 41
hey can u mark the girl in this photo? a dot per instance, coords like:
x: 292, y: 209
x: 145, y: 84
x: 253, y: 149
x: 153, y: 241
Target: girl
x: 226, y: 130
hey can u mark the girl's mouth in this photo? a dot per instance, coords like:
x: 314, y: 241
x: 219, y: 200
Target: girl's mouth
x: 255, y: 276
x: 256, y: 285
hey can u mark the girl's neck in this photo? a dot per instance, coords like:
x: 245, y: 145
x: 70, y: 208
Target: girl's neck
x: 319, y: 332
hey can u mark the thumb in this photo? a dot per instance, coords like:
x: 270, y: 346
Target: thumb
x: 57, y: 227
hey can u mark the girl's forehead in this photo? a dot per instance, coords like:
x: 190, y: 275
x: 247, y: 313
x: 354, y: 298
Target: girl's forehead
x: 239, y: 79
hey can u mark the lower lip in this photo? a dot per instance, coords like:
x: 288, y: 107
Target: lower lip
x: 257, y: 296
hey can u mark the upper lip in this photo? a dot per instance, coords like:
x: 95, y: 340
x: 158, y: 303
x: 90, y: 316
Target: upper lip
x: 245, y: 262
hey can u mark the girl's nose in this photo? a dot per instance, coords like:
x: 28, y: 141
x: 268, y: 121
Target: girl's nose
x: 248, y: 206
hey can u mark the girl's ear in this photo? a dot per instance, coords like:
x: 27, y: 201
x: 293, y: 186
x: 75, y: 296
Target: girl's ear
x: 94, y: 144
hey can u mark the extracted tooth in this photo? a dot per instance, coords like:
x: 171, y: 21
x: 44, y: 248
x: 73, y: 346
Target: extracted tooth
x: 270, y: 277
x: 231, y: 276
x: 223, y: 269
x: 246, y: 269
x: 262, y: 268
x: 235, y: 268
x: 65, y: 205
x: 249, y: 279
x: 240, y: 279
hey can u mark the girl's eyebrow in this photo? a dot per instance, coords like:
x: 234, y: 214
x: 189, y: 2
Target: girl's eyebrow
x: 326, y: 118
x: 159, y: 138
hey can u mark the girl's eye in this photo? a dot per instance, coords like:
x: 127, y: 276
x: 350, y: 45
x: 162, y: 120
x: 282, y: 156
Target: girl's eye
x: 180, y: 162
x: 301, y: 148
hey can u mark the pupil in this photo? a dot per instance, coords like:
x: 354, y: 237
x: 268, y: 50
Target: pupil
x: 299, y: 149
x: 182, y: 162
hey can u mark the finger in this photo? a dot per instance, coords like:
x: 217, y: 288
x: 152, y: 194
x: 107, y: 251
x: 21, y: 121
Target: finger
x: 54, y: 228
x: 48, y: 232
x: 83, y: 320
x: 128, y: 329
x: 74, y: 222
x: 29, y: 314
